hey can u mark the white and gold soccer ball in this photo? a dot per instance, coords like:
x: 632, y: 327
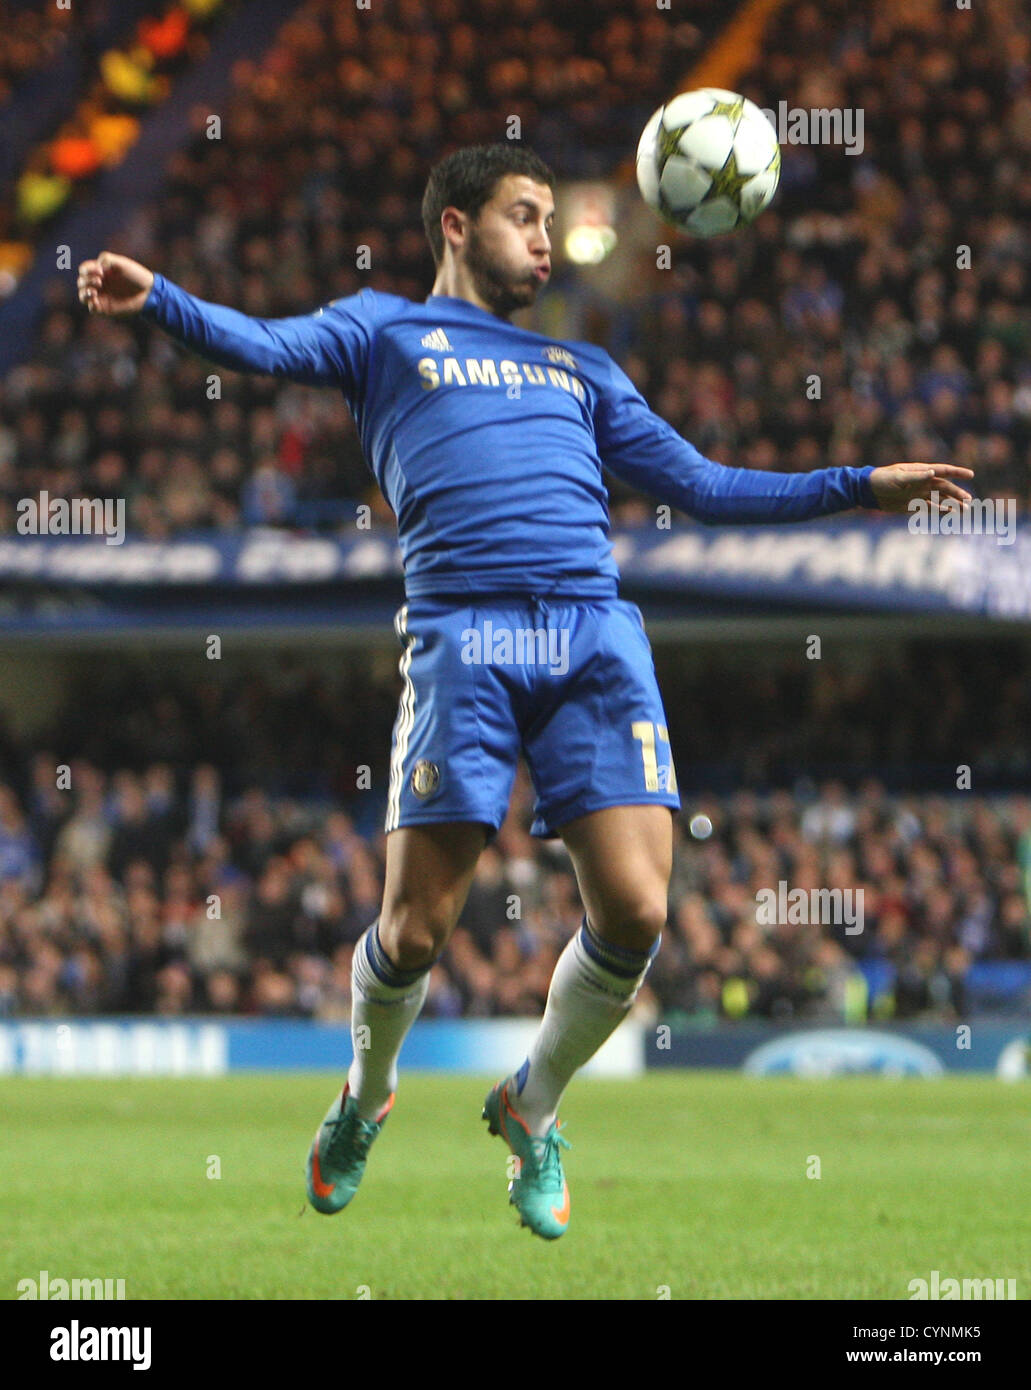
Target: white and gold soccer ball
x: 708, y: 161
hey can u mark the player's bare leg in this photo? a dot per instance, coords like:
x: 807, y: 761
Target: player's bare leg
x: 428, y: 875
x: 429, y: 872
x: 623, y: 857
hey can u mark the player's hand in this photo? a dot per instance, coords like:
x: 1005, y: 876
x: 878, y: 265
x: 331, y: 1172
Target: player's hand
x: 114, y: 284
x: 898, y: 484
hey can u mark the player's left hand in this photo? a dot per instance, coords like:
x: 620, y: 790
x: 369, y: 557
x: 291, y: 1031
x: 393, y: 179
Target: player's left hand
x: 897, y: 484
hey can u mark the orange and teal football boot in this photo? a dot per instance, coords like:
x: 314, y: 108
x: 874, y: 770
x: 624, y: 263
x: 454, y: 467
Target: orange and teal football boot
x: 336, y: 1160
x: 539, y: 1191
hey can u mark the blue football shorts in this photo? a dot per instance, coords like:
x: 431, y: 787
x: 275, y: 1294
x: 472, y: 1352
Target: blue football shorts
x: 570, y: 685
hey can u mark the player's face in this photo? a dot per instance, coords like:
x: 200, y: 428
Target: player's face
x: 508, y: 249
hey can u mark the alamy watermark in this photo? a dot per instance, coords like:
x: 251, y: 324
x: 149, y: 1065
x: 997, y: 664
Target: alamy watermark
x: 938, y: 1288
x: 54, y: 1289
x: 83, y: 1343
x: 820, y: 125
x: 981, y: 516
x: 78, y: 516
x: 824, y: 907
x: 498, y: 645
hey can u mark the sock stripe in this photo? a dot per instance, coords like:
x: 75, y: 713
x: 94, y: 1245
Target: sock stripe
x: 383, y: 967
x: 381, y: 1015
x: 592, y: 990
x: 616, y: 959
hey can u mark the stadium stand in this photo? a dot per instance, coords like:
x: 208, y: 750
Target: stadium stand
x: 246, y: 787
x: 916, y: 357
x: 246, y: 790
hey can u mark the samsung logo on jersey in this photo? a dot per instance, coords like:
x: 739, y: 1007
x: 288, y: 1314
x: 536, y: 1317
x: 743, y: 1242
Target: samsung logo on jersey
x: 483, y: 371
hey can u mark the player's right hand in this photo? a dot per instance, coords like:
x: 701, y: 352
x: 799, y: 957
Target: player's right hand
x: 114, y: 284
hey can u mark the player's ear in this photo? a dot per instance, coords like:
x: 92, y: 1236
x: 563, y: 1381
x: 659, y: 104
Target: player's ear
x: 453, y: 219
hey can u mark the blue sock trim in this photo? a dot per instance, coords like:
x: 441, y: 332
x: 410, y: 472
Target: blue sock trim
x: 521, y: 1075
x: 617, y: 960
x: 383, y: 967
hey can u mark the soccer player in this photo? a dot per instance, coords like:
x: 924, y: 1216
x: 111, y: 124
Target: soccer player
x: 488, y: 442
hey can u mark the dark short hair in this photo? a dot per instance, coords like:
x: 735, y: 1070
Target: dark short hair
x: 468, y: 178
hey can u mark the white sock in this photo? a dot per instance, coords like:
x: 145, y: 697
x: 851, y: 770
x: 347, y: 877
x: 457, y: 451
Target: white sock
x: 385, y: 1002
x: 592, y: 989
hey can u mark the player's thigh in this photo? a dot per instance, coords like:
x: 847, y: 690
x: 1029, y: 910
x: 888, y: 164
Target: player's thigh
x: 429, y: 872
x: 623, y: 857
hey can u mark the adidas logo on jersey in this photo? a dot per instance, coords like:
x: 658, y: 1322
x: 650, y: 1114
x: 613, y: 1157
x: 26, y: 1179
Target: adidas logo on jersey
x: 438, y: 340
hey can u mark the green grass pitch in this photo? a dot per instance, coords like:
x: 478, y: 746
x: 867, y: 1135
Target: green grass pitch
x: 695, y: 1183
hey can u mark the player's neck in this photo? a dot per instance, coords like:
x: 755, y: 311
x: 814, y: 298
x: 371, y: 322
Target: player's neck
x: 456, y: 286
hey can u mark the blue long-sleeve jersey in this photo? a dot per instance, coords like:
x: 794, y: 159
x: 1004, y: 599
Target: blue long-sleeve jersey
x: 488, y: 440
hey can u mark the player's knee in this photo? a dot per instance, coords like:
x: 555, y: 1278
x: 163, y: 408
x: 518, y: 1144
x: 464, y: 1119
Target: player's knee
x: 635, y: 924
x: 413, y: 937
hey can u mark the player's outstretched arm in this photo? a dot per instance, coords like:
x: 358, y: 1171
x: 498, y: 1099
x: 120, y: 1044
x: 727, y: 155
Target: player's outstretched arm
x: 647, y: 452
x: 307, y: 349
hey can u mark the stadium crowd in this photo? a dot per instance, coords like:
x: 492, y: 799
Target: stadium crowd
x: 208, y: 850
x: 881, y: 309
x: 855, y: 275
x: 301, y: 726
x: 33, y: 35
x: 185, y: 855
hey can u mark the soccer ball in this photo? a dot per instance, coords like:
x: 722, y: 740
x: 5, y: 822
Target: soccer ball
x: 708, y: 161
